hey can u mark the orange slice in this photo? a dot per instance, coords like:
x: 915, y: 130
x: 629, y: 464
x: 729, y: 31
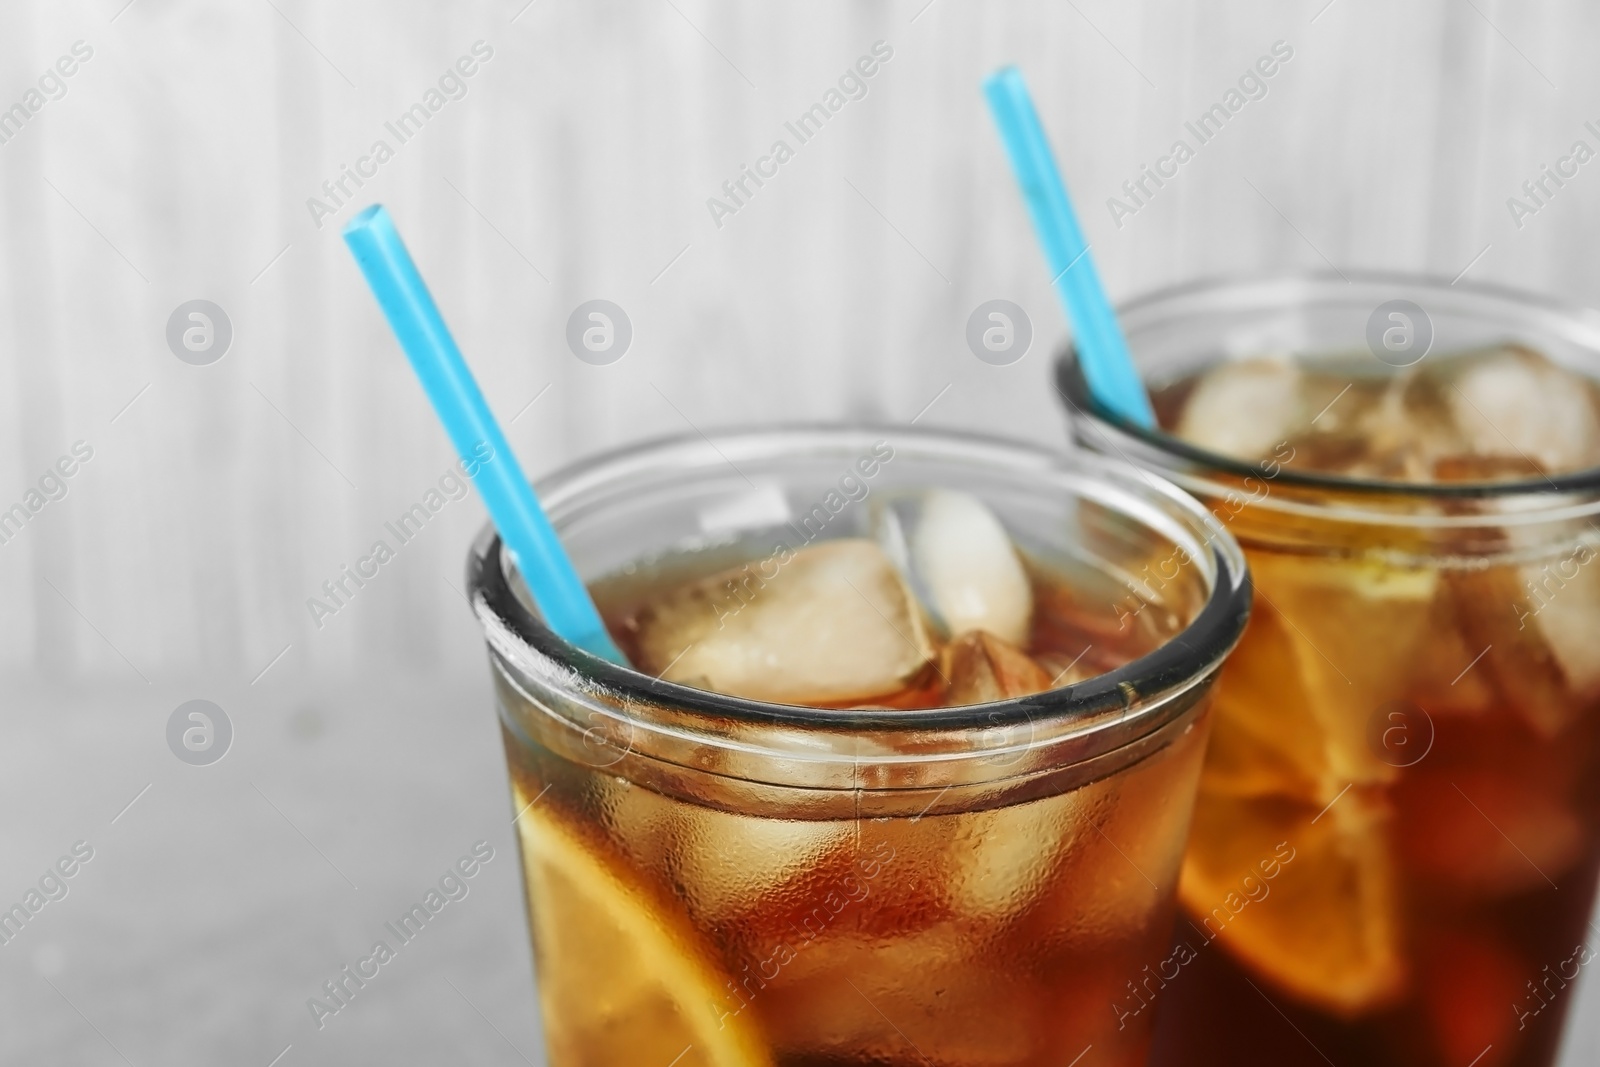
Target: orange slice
x: 1356, y: 627
x: 1305, y: 899
x: 623, y: 979
x: 1264, y: 737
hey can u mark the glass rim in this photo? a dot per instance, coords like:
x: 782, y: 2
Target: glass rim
x: 1137, y: 688
x: 1574, y: 320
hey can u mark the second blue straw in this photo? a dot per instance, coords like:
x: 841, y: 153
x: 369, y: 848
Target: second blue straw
x: 1103, y: 354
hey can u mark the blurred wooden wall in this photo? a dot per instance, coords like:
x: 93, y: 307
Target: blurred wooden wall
x: 178, y: 163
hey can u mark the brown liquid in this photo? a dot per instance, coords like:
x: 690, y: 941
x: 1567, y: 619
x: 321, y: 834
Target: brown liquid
x: 1470, y: 953
x: 1400, y: 718
x: 704, y: 921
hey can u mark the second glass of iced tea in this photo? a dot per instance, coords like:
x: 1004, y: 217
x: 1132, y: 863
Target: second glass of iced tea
x: 1397, y: 835
x: 838, y: 866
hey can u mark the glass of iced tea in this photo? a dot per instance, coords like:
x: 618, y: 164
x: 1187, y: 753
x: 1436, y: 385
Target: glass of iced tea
x: 905, y: 770
x: 1397, y: 835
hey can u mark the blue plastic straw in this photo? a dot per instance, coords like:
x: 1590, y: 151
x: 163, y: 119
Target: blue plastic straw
x: 415, y: 319
x: 1102, y: 350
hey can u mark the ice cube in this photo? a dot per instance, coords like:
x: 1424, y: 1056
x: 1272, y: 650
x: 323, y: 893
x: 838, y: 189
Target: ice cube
x: 1449, y: 679
x: 731, y: 865
x: 1063, y: 669
x: 1407, y: 428
x: 724, y: 865
x: 1118, y: 846
x: 1501, y: 625
x: 1001, y: 859
x: 1353, y: 420
x: 834, y: 623
x: 964, y: 560
x: 1564, y: 599
x: 983, y: 668
x: 891, y: 996
x: 1502, y: 412
x: 1245, y: 408
x: 1513, y: 401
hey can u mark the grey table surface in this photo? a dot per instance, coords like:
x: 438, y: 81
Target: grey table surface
x: 218, y: 902
x: 220, y: 898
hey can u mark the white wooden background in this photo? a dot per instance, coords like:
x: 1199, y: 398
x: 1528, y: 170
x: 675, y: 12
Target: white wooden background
x: 178, y: 165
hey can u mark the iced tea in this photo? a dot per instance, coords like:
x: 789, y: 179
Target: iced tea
x: 914, y: 784
x: 1397, y: 836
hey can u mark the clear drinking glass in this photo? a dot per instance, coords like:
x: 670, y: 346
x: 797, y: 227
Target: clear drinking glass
x: 1397, y: 834
x: 717, y: 881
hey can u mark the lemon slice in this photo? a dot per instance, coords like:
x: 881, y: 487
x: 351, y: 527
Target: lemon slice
x: 1265, y: 739
x: 623, y: 979
x: 1356, y: 628
x: 1306, y: 899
